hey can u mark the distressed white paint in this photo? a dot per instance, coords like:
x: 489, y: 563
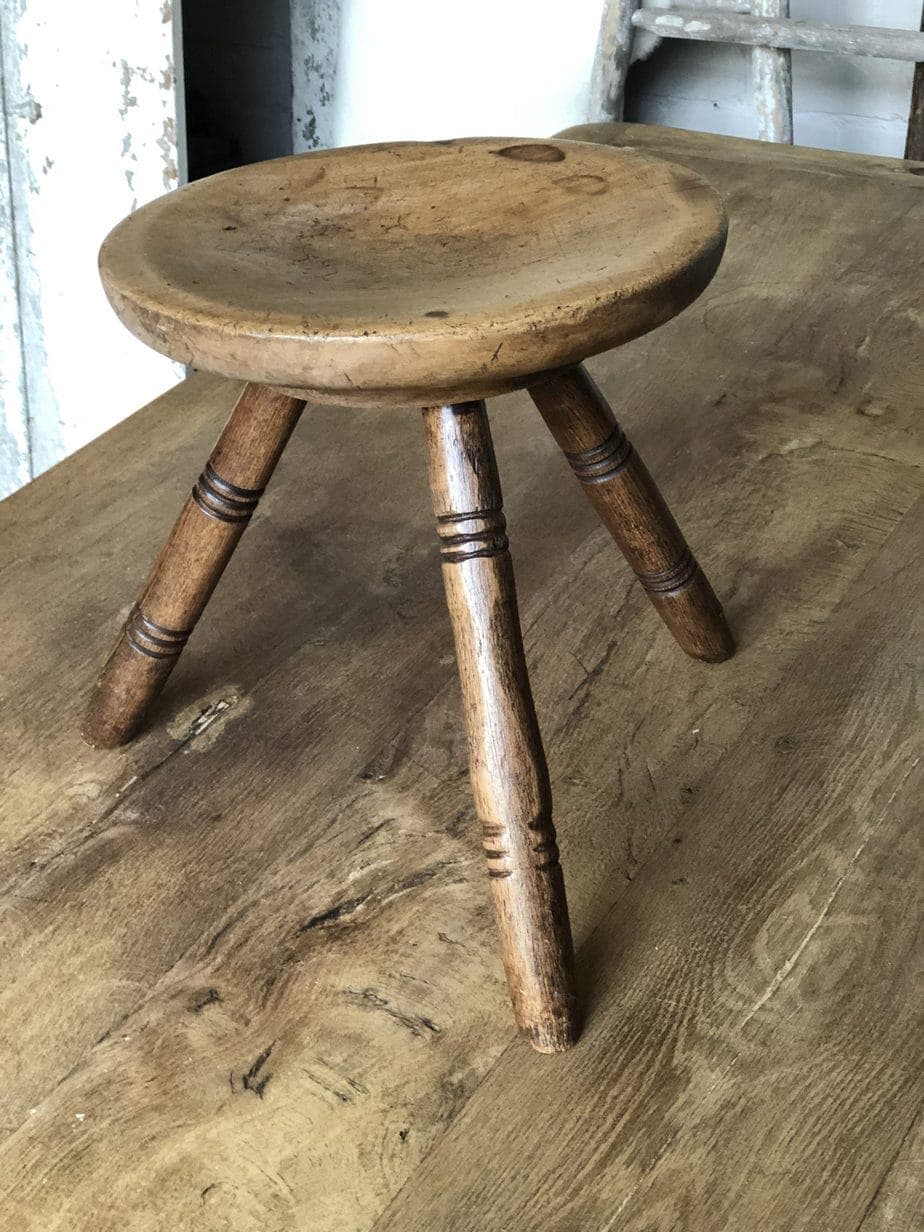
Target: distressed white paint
x: 316, y: 26
x: 15, y: 465
x: 91, y: 111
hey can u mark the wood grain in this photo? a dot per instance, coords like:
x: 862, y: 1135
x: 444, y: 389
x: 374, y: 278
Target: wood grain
x: 742, y: 995
x: 253, y: 949
x: 414, y: 272
x: 510, y: 779
x: 898, y: 1199
x: 190, y: 564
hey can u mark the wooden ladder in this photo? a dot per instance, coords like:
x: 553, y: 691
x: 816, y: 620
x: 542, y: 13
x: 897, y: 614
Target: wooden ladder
x: 764, y: 25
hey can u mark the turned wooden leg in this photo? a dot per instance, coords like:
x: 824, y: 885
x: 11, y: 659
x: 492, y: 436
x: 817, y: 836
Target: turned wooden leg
x: 190, y: 563
x: 510, y: 780
x: 633, y: 511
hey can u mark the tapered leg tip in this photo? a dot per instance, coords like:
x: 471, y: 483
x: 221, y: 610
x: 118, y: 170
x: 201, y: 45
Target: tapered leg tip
x: 695, y: 617
x: 129, y: 683
x: 99, y: 734
x: 722, y: 649
x: 104, y: 742
x: 556, y: 1035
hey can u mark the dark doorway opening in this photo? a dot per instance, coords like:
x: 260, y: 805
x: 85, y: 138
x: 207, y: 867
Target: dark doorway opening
x: 237, y: 61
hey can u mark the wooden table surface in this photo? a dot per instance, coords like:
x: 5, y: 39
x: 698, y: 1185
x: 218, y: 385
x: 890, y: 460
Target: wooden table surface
x: 249, y: 969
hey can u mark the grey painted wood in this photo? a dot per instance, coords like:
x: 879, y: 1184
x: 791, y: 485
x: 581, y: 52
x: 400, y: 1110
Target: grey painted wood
x: 772, y: 72
x: 616, y: 50
x: 705, y: 27
x: 611, y: 61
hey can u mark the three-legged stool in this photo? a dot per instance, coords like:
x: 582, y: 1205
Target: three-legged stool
x: 437, y: 275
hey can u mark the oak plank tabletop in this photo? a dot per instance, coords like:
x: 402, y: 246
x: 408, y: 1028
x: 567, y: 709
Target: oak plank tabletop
x: 249, y: 970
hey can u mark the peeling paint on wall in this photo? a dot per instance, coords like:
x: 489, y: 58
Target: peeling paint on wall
x: 15, y: 460
x: 315, y: 51
x: 91, y: 122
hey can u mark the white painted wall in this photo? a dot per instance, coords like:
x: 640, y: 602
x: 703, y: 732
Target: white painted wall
x: 92, y: 122
x: 839, y: 102
x: 428, y: 69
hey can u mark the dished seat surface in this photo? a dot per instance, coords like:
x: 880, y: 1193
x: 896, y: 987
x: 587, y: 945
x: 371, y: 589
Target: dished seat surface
x: 414, y: 271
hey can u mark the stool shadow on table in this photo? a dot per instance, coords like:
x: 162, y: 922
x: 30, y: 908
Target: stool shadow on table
x: 436, y: 274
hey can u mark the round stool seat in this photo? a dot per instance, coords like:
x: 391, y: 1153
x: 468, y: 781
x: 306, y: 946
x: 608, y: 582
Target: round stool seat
x: 414, y: 272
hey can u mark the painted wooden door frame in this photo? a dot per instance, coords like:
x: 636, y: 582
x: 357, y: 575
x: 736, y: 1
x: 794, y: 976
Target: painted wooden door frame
x: 92, y: 126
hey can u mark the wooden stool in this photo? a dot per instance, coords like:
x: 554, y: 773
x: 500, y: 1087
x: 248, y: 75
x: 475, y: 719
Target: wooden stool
x: 437, y: 275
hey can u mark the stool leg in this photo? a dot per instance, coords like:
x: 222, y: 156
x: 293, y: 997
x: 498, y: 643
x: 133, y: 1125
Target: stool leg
x: 633, y: 511
x: 190, y: 563
x: 510, y: 780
